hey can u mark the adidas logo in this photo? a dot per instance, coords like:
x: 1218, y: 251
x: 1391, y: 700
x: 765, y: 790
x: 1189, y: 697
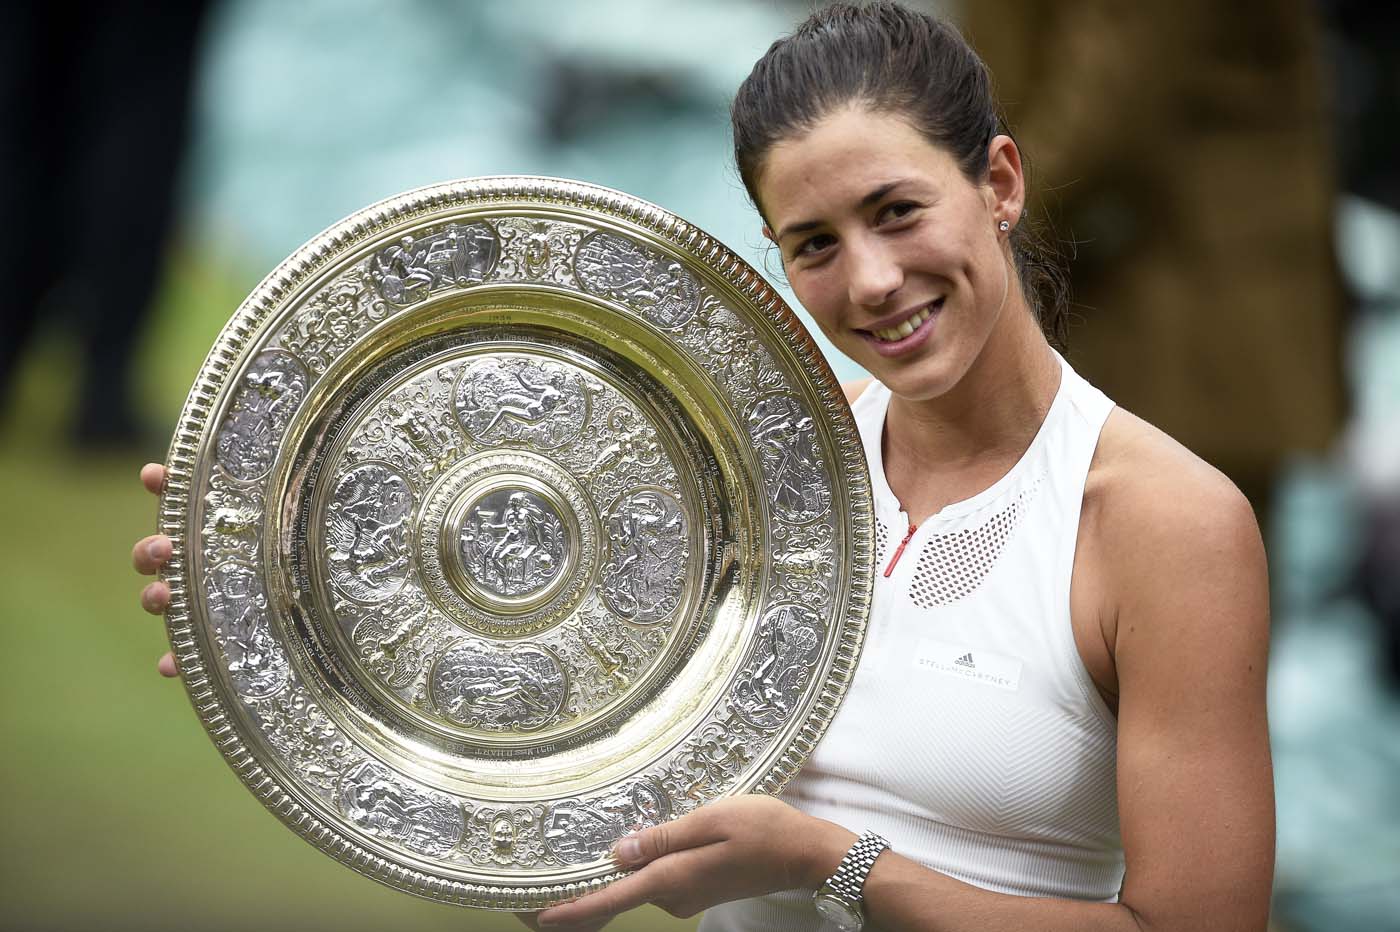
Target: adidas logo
x: 966, y: 661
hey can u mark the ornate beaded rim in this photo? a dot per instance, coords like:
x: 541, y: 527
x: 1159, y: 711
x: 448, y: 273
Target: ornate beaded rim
x: 270, y: 297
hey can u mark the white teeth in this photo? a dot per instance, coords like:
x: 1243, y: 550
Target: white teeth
x: 903, y: 330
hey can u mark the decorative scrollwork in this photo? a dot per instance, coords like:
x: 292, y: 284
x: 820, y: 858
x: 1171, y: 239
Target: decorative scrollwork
x: 332, y: 320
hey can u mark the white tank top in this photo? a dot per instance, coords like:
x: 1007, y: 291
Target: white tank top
x: 972, y: 737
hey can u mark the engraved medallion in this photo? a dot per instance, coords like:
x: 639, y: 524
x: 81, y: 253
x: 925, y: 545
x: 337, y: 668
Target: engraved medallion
x: 511, y: 542
x: 510, y: 516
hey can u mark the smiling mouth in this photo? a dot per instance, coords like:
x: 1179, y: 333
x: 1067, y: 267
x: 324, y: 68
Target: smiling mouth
x: 909, y: 325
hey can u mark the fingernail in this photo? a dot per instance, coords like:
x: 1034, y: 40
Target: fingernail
x: 629, y: 849
x: 153, y: 550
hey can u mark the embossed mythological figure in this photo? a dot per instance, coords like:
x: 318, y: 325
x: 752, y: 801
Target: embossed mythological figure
x: 373, y: 798
x: 645, y: 573
x: 614, y: 267
x: 786, y: 441
x: 409, y: 270
x: 238, y: 607
x: 540, y: 402
x: 783, y: 657
x: 515, y: 548
x: 367, y: 533
x: 272, y: 390
x: 483, y: 686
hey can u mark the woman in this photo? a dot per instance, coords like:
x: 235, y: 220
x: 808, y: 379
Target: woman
x: 1064, y: 672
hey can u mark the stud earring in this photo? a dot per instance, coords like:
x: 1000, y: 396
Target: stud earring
x: 1004, y: 225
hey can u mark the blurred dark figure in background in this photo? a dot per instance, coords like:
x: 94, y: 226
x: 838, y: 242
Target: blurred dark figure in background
x: 94, y: 104
x: 1365, y: 58
x: 1184, y: 148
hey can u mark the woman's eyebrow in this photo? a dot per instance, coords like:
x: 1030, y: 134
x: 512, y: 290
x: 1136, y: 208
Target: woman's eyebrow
x: 874, y: 195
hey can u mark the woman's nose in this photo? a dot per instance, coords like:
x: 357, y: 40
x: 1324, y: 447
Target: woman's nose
x: 874, y: 274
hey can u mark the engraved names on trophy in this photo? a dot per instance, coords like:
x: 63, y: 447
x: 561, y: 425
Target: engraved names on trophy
x: 641, y: 277
x: 536, y: 402
x: 411, y: 269
x: 383, y: 804
x: 492, y: 688
x: 367, y: 555
x: 269, y: 393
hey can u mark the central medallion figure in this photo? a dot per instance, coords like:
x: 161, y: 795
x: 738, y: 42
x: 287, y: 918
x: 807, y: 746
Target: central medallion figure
x: 512, y: 542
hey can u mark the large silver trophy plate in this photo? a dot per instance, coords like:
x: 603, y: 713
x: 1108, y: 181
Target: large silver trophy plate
x: 511, y: 515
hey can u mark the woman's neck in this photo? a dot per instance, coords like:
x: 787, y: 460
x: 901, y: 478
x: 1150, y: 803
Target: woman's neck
x: 947, y: 449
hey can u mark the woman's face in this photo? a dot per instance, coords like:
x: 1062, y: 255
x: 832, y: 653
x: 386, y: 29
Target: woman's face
x: 889, y: 246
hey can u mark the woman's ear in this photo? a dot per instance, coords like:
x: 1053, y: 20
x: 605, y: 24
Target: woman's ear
x: 768, y: 235
x: 1006, y: 179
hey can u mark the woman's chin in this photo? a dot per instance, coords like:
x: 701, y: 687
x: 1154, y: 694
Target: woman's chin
x: 931, y: 376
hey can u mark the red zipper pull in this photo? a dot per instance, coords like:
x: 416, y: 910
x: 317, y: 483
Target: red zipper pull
x: 898, y: 551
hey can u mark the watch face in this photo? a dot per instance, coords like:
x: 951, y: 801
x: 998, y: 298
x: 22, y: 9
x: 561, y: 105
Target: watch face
x: 840, y: 913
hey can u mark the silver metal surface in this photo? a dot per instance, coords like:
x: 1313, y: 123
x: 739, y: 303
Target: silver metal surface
x: 512, y: 515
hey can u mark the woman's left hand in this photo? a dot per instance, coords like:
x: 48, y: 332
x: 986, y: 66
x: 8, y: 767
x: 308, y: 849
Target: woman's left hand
x: 729, y: 850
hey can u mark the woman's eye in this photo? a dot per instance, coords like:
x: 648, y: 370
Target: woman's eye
x: 815, y: 245
x: 897, y: 211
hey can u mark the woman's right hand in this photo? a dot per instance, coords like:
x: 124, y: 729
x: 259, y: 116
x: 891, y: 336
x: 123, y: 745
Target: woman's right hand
x: 148, y: 556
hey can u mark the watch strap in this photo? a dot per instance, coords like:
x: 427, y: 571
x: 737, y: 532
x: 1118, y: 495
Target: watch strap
x: 849, y: 879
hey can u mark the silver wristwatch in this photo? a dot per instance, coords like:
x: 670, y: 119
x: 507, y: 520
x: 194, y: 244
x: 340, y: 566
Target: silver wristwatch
x: 838, y: 901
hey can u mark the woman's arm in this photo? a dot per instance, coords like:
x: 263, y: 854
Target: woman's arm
x: 1181, y: 567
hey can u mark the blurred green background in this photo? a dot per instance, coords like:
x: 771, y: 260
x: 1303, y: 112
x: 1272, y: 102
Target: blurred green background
x: 117, y: 810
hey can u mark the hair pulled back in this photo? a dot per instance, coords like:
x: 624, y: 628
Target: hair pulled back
x: 893, y: 60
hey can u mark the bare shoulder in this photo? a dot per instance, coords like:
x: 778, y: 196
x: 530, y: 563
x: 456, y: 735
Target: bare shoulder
x: 1144, y: 485
x: 854, y: 389
x: 1167, y: 528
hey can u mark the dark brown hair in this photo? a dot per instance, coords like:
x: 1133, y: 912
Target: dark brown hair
x: 893, y: 60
